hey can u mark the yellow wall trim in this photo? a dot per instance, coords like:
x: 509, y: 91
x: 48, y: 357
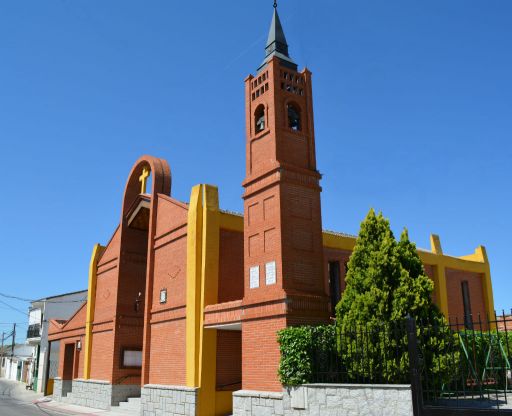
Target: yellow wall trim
x: 194, y: 258
x: 91, y: 300
x: 209, y: 296
x: 474, y: 263
x: 203, y: 234
x: 231, y: 222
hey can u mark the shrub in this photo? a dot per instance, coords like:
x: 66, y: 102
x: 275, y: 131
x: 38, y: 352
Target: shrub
x: 297, y: 346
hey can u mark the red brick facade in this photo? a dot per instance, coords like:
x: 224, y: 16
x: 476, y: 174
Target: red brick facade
x: 273, y: 272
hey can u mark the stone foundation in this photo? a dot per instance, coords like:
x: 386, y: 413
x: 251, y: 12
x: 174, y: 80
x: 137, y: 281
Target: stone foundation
x: 159, y: 400
x: 93, y: 393
x: 327, y: 399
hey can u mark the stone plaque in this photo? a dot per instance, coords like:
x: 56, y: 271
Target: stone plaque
x: 254, y: 277
x: 270, y: 273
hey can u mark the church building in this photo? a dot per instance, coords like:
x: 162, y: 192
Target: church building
x: 185, y: 300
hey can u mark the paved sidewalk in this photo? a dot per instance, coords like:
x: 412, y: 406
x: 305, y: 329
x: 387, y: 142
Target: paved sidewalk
x: 46, y: 405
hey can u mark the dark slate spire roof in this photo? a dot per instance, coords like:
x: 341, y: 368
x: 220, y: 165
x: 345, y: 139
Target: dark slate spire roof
x: 276, y: 43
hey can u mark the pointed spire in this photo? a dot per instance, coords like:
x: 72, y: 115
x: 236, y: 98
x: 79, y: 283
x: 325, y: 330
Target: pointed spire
x: 276, y: 42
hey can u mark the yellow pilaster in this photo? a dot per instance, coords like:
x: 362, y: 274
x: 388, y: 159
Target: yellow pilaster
x: 440, y: 275
x: 194, y: 262
x: 481, y: 254
x: 91, y: 300
x: 202, y: 289
x: 209, y: 296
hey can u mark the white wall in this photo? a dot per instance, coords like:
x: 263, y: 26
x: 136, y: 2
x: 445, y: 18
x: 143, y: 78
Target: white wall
x: 62, y: 307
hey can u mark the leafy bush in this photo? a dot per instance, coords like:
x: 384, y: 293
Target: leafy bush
x: 297, y: 346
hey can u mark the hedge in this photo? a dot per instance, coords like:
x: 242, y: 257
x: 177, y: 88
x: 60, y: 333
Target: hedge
x: 297, y: 345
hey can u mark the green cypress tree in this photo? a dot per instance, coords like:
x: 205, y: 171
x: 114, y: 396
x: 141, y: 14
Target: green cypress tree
x: 385, y: 283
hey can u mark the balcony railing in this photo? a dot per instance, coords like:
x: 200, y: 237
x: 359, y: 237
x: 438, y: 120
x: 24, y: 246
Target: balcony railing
x: 34, y: 331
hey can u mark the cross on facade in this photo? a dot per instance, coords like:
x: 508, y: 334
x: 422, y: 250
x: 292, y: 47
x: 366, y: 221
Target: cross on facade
x: 143, y: 179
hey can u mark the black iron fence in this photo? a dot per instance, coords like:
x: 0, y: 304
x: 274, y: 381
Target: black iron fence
x: 459, y: 365
x: 364, y: 354
x: 480, y: 356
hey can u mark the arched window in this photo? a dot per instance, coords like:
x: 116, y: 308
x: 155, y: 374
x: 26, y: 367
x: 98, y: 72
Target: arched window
x: 294, y: 121
x: 259, y: 118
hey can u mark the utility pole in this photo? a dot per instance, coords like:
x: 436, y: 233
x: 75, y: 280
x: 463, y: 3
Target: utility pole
x: 13, y: 343
x: 2, y: 356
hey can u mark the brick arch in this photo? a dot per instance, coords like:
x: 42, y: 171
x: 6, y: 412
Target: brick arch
x: 161, y: 183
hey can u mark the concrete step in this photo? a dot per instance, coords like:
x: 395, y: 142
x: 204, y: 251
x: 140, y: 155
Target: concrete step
x: 115, y: 411
x: 130, y: 407
x: 134, y: 400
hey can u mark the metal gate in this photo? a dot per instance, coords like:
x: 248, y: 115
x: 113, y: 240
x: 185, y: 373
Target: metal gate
x: 477, y: 356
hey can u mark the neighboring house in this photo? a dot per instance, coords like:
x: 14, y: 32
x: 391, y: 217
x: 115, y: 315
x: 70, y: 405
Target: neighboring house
x: 16, y: 365
x: 40, y: 313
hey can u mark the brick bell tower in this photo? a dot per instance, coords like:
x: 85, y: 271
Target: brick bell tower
x: 283, y: 258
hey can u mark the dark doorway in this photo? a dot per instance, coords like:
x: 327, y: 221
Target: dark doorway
x: 68, y: 368
x: 334, y: 285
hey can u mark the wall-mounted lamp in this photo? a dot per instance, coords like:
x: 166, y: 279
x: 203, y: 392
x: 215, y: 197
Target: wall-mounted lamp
x: 79, y: 345
x: 138, y: 300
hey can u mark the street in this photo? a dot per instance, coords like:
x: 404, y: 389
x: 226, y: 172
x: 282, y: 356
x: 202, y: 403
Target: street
x: 14, y: 401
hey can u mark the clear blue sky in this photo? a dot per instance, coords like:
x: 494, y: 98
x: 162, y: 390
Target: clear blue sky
x: 413, y: 113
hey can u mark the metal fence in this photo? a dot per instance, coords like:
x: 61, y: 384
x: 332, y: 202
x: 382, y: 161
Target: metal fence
x: 462, y: 365
x: 479, y: 355
x: 363, y: 354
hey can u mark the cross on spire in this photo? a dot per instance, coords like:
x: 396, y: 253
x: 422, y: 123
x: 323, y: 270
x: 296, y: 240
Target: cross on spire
x: 143, y: 179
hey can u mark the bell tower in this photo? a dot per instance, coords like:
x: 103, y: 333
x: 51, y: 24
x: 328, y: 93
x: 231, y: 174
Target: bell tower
x: 283, y: 258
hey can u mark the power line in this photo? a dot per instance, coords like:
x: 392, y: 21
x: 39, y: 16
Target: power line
x: 13, y: 308
x: 40, y: 300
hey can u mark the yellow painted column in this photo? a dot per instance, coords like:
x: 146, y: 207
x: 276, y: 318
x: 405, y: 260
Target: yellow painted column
x: 194, y: 263
x: 440, y: 275
x: 481, y: 252
x: 91, y: 300
x: 209, y: 296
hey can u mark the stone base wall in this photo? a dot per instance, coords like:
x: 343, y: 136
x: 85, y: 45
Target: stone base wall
x: 248, y: 402
x: 159, y: 400
x: 57, y: 388
x: 326, y: 399
x: 93, y: 393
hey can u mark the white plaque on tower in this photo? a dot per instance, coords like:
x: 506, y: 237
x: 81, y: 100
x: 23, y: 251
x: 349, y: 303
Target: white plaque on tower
x: 270, y: 273
x: 254, y: 277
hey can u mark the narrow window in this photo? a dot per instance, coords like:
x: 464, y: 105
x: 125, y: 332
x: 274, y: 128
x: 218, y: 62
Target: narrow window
x: 294, y: 118
x: 468, y: 319
x: 334, y: 285
x: 259, y: 118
